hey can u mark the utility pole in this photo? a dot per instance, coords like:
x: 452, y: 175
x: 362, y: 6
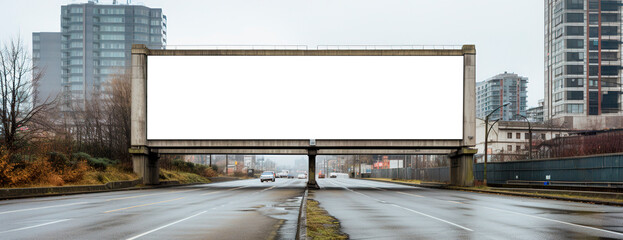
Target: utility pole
x: 226, y: 164
x: 210, y: 160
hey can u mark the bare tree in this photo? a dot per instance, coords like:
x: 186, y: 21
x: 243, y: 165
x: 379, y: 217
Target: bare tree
x: 19, y: 103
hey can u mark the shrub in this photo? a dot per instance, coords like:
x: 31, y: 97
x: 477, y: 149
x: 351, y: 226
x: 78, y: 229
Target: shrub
x: 96, y: 163
x: 58, y: 161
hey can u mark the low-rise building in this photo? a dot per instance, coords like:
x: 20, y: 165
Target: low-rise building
x: 509, y: 140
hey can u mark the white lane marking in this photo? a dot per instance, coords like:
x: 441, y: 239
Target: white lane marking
x: 411, y: 210
x: 557, y: 221
x: 268, y: 188
x: 39, y: 208
x: 153, y: 230
x: 223, y: 190
x: 411, y: 194
x: 39, y: 225
x: 436, y: 218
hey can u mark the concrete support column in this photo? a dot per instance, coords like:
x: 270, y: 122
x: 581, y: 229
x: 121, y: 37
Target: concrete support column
x: 462, y: 167
x: 311, y: 173
x: 145, y: 163
x: 146, y: 166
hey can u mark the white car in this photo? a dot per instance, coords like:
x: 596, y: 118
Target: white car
x: 302, y: 176
x: 267, y: 176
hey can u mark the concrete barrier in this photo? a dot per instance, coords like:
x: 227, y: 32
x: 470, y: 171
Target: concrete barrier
x: 6, y: 193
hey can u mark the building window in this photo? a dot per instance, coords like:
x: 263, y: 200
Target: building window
x: 75, y: 10
x: 575, y: 108
x: 575, y: 43
x: 111, y: 19
x: 575, y: 17
x: 112, y: 37
x: 574, y: 4
x: 575, y: 95
x: 509, y: 148
x: 575, y: 31
x: 518, y: 148
x: 574, y: 69
x: 141, y: 20
x: 518, y: 135
x: 574, y: 82
x: 509, y: 135
x: 527, y: 135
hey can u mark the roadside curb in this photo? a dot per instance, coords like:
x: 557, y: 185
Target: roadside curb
x: 583, y: 200
x: 301, y: 230
x: 426, y: 185
x: 97, y: 191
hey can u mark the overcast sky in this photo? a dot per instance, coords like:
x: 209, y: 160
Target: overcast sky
x: 508, y: 34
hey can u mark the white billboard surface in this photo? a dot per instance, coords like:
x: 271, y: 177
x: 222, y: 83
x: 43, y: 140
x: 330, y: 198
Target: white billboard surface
x: 304, y: 97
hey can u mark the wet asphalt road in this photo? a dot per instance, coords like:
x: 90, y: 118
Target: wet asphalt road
x: 377, y: 210
x: 249, y: 209
x: 244, y: 209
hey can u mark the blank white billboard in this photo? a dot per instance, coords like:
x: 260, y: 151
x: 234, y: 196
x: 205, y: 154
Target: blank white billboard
x: 304, y: 97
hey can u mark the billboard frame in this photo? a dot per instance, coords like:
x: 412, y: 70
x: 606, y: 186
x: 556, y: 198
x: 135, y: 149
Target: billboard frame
x: 145, y: 152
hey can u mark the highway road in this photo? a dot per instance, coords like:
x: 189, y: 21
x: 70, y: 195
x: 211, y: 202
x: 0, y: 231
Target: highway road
x: 244, y: 209
x: 248, y: 209
x: 378, y: 210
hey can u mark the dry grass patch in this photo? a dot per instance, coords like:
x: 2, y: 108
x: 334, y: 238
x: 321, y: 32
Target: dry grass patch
x: 321, y: 225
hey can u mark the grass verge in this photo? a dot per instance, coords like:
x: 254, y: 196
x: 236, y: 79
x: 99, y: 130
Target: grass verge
x: 182, y: 177
x: 397, y: 180
x: 569, y: 195
x: 321, y: 225
x: 111, y: 174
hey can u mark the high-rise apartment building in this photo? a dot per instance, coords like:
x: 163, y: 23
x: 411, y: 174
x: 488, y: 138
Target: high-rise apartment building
x: 498, y: 90
x: 582, y: 63
x: 535, y: 114
x: 96, y: 41
x: 46, y: 57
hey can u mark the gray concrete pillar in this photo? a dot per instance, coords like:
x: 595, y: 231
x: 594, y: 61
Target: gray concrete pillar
x: 462, y: 167
x: 311, y: 173
x: 146, y: 166
x: 145, y: 163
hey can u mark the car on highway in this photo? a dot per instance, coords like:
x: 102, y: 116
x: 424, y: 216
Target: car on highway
x: 332, y: 175
x: 302, y: 176
x: 267, y: 176
x: 320, y: 175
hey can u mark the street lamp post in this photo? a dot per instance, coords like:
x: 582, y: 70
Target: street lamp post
x: 530, y: 133
x: 487, y: 130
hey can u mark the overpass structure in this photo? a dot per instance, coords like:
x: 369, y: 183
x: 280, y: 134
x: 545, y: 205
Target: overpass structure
x: 146, y: 151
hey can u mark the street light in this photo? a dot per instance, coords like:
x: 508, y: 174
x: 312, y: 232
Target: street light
x: 487, y: 130
x: 530, y: 133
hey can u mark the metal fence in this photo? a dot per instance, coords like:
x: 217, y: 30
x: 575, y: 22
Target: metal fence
x: 600, y: 168
x: 440, y: 174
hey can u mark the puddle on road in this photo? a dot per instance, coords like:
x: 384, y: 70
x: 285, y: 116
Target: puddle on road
x: 287, y: 212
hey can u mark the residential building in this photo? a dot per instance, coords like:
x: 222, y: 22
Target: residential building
x: 583, y: 63
x: 498, y: 90
x: 46, y: 56
x: 509, y: 140
x: 96, y: 42
x: 535, y: 114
